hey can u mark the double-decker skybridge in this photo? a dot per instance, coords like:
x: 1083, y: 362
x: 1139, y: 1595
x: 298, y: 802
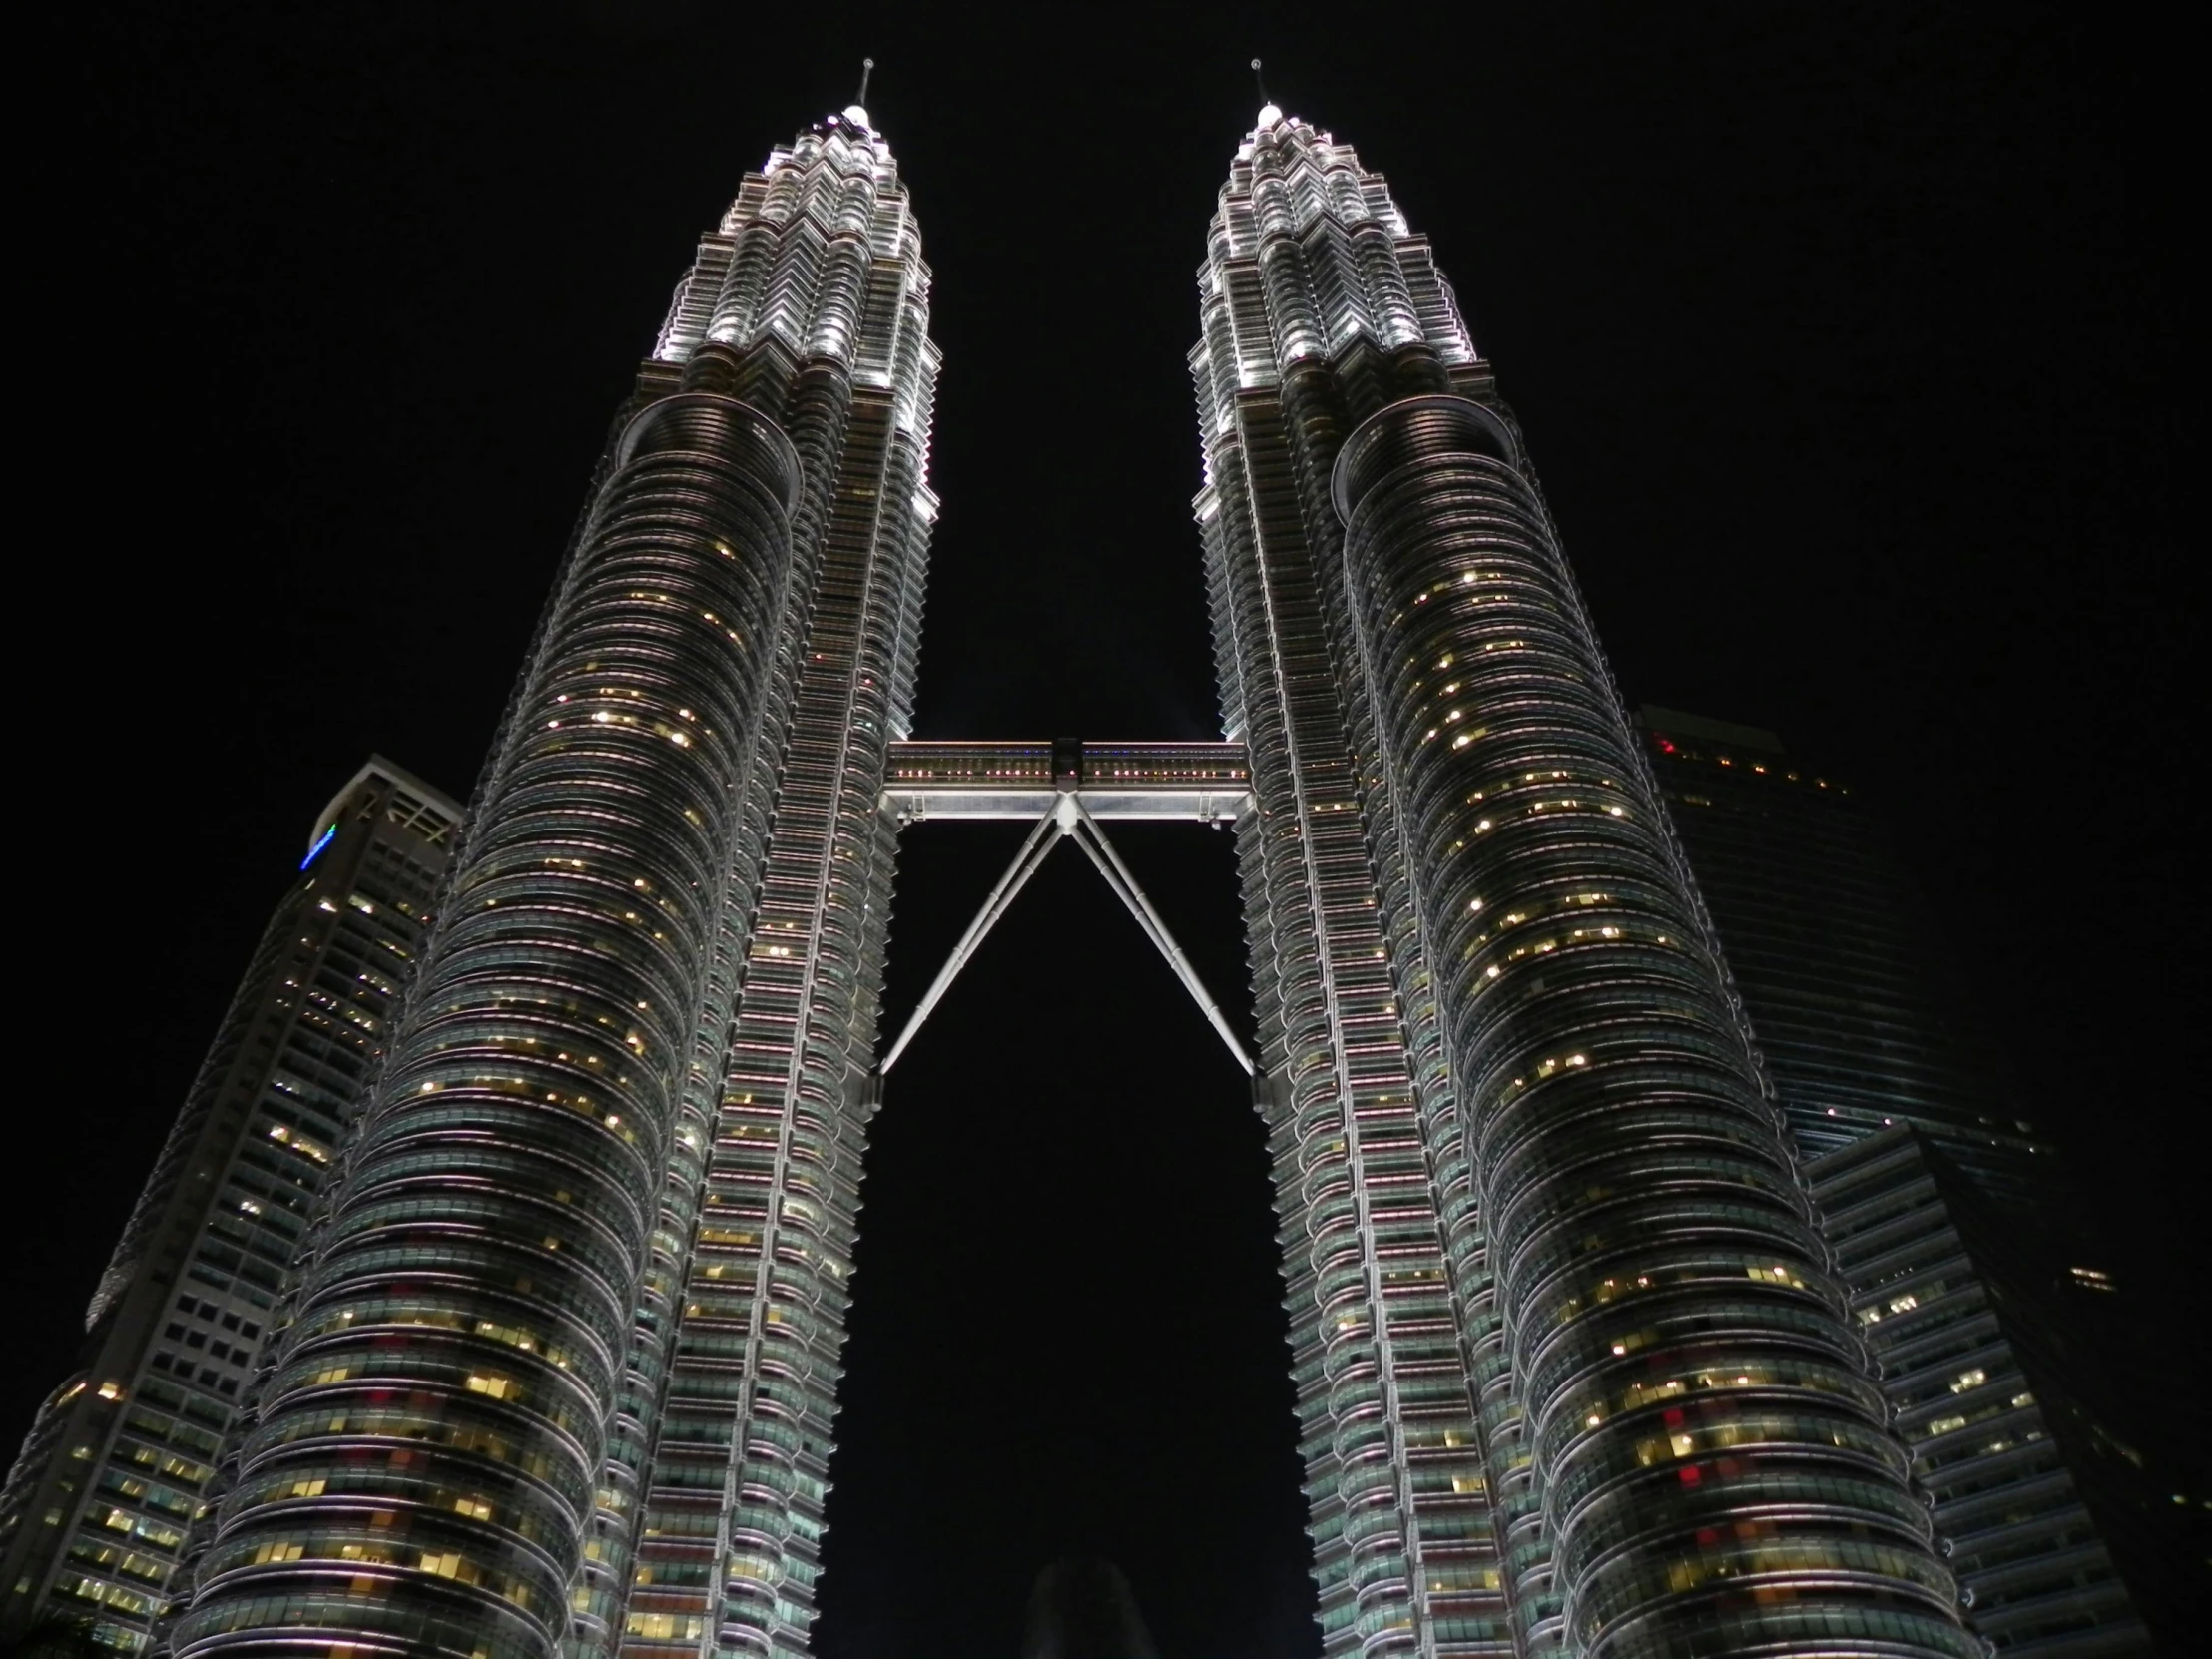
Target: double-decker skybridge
x: 1065, y: 787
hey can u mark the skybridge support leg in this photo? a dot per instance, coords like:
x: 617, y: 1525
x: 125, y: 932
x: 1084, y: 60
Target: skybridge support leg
x: 1034, y: 852
x: 1101, y: 854
x: 1068, y: 821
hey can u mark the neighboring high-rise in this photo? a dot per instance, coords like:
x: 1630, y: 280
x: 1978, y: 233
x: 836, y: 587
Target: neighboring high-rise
x: 1526, y: 1158
x: 117, y: 1462
x: 1841, y: 968
x: 1999, y: 1373
x: 2035, y: 1497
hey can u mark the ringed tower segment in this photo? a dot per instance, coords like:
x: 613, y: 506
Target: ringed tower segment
x: 1317, y: 304
x: 1682, y: 1449
x: 558, y: 1370
x: 817, y: 266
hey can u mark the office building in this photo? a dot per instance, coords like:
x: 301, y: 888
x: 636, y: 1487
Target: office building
x: 1459, y: 875
x: 558, y: 1372
x: 1861, y: 1016
x: 1082, y: 1608
x: 1983, y: 1370
x: 120, y: 1458
x: 2002, y: 1380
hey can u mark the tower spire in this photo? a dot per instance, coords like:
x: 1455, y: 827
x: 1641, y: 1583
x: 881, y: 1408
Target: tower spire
x: 856, y: 111
x: 1270, y: 115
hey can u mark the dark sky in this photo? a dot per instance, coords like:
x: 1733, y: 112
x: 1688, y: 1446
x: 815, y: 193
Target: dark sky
x: 1845, y: 339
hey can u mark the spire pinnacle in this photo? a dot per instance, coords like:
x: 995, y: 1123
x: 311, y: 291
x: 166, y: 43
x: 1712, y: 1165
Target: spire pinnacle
x: 1269, y: 116
x: 856, y: 111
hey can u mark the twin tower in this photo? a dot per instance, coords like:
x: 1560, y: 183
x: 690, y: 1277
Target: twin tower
x: 558, y: 1370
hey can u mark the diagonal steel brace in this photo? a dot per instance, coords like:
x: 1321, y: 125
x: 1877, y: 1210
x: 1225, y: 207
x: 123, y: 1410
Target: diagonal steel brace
x: 1068, y: 821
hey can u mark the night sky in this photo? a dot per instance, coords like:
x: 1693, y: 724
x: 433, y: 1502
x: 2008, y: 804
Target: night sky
x: 1845, y: 339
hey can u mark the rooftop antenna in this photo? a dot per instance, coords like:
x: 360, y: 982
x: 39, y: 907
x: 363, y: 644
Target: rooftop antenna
x: 867, y: 68
x: 1261, y: 83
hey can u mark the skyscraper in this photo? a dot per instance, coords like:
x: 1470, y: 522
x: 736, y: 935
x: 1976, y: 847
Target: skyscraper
x: 1500, y: 1037
x: 96, y: 1512
x: 1841, y: 968
x: 1998, y: 1376
x: 576, y: 1297
x: 2033, y: 1493
x: 558, y: 1367
x: 816, y: 278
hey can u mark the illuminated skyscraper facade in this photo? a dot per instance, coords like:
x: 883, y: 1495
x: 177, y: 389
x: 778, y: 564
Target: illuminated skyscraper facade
x: 2034, y: 1495
x: 1529, y: 1164
x: 557, y: 1367
x: 1999, y: 1373
x: 1383, y: 1256
x: 1840, y: 965
x: 571, y: 1318
x: 95, y: 1514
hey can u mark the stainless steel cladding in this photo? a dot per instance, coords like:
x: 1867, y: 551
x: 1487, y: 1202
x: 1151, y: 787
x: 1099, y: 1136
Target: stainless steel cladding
x: 1677, y: 1448
x: 815, y: 279
x: 1715, y: 1471
x: 1307, y: 257
x: 561, y: 1368
x: 438, y: 1414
